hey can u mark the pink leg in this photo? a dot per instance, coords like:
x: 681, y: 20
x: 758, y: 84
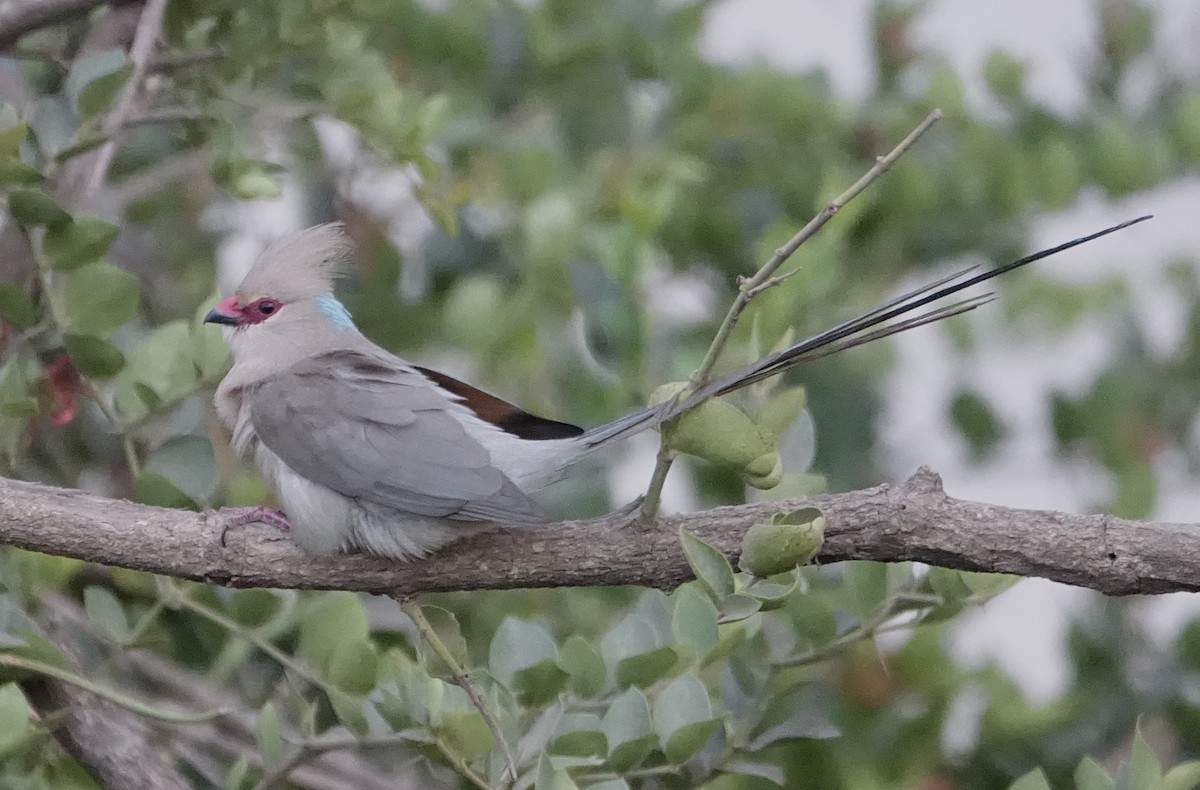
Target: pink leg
x: 233, y: 517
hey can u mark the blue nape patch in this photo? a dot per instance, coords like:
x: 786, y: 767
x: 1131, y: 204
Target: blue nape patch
x: 335, y: 312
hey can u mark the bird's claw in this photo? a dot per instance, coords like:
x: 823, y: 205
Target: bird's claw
x: 234, y: 517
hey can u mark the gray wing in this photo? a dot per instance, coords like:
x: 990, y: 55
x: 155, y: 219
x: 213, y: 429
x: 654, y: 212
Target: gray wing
x: 381, y: 432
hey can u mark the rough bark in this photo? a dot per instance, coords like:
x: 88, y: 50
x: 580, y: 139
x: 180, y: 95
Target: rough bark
x: 890, y: 523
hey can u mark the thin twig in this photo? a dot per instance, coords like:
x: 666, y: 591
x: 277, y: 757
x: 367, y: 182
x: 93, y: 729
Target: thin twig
x: 165, y: 115
x: 762, y: 279
x: 459, y: 678
x: 236, y: 628
x: 140, y: 708
x: 273, y: 777
x: 44, y: 55
x: 169, y: 61
x: 144, y: 40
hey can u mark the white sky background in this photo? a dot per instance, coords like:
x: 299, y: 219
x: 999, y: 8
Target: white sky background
x: 1023, y: 629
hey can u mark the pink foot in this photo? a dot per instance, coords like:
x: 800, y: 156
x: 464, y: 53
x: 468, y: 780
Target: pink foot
x: 234, y: 517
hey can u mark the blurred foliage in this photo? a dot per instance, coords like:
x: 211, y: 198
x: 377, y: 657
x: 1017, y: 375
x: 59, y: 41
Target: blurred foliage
x: 576, y: 159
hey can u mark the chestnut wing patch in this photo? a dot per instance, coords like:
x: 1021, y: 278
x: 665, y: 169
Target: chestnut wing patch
x: 505, y: 416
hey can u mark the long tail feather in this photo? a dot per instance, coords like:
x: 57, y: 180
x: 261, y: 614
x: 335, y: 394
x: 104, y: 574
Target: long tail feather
x: 866, y: 328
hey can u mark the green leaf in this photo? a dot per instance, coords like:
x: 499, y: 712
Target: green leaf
x: 466, y: 733
x: 235, y: 778
x: 16, y: 307
x: 106, y: 613
x: 627, y: 726
x: 94, y: 357
x: 268, y: 734
x: 582, y: 661
x: 1034, y: 780
x: 95, y: 80
x: 646, y: 668
x: 159, y: 370
x: 337, y: 617
x: 694, y: 620
x: 550, y: 778
x: 247, y: 179
x: 35, y: 647
x: 759, y: 768
x: 540, y: 683
x: 801, y: 723
x: 349, y: 710
x: 867, y: 583
x: 210, y: 352
x: 1143, y: 771
x: 353, y: 665
x: 632, y: 635
x: 683, y: 718
x: 83, y: 142
x: 98, y: 298
x: 790, y: 539
x: 15, y: 725
x: 772, y: 595
x: 34, y: 208
x: 151, y: 488
x: 189, y: 464
x: 446, y: 626
x: 1090, y: 775
x: 948, y: 584
x: 711, y: 567
x: 13, y: 131
x: 739, y: 606
x: 1184, y: 776
x: 988, y: 584
x: 611, y: 784
x: 814, y: 620
x: 14, y: 172
x: 69, y: 245
x: 518, y: 644
x: 782, y: 410
x: 580, y: 735
x: 254, y: 606
x: 18, y: 387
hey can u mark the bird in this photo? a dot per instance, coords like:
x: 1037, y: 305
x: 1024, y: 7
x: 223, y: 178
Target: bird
x: 367, y: 452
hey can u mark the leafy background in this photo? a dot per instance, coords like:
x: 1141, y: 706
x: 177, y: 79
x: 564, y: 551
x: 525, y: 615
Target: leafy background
x: 554, y: 200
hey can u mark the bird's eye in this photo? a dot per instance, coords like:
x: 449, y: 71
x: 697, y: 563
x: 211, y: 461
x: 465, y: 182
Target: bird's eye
x: 259, y: 310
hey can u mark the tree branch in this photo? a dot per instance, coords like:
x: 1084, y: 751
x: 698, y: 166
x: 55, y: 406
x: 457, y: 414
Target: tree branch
x: 912, y: 521
x: 113, y: 744
x: 18, y: 17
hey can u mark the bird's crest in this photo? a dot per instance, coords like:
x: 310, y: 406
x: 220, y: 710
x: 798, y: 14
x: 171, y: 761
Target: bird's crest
x: 301, y: 265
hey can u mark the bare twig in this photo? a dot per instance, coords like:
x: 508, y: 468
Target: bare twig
x: 763, y: 279
x: 134, y: 706
x: 165, y: 115
x: 144, y: 40
x: 458, y: 677
x: 170, y: 61
x: 18, y: 17
x: 111, y: 743
x: 211, y: 746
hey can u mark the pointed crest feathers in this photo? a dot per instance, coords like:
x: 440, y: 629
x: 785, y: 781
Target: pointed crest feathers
x: 301, y: 265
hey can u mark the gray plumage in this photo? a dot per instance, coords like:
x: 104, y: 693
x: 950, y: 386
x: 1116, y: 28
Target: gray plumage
x: 366, y: 451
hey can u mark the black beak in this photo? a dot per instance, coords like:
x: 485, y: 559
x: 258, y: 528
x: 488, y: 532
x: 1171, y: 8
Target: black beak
x: 216, y: 317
